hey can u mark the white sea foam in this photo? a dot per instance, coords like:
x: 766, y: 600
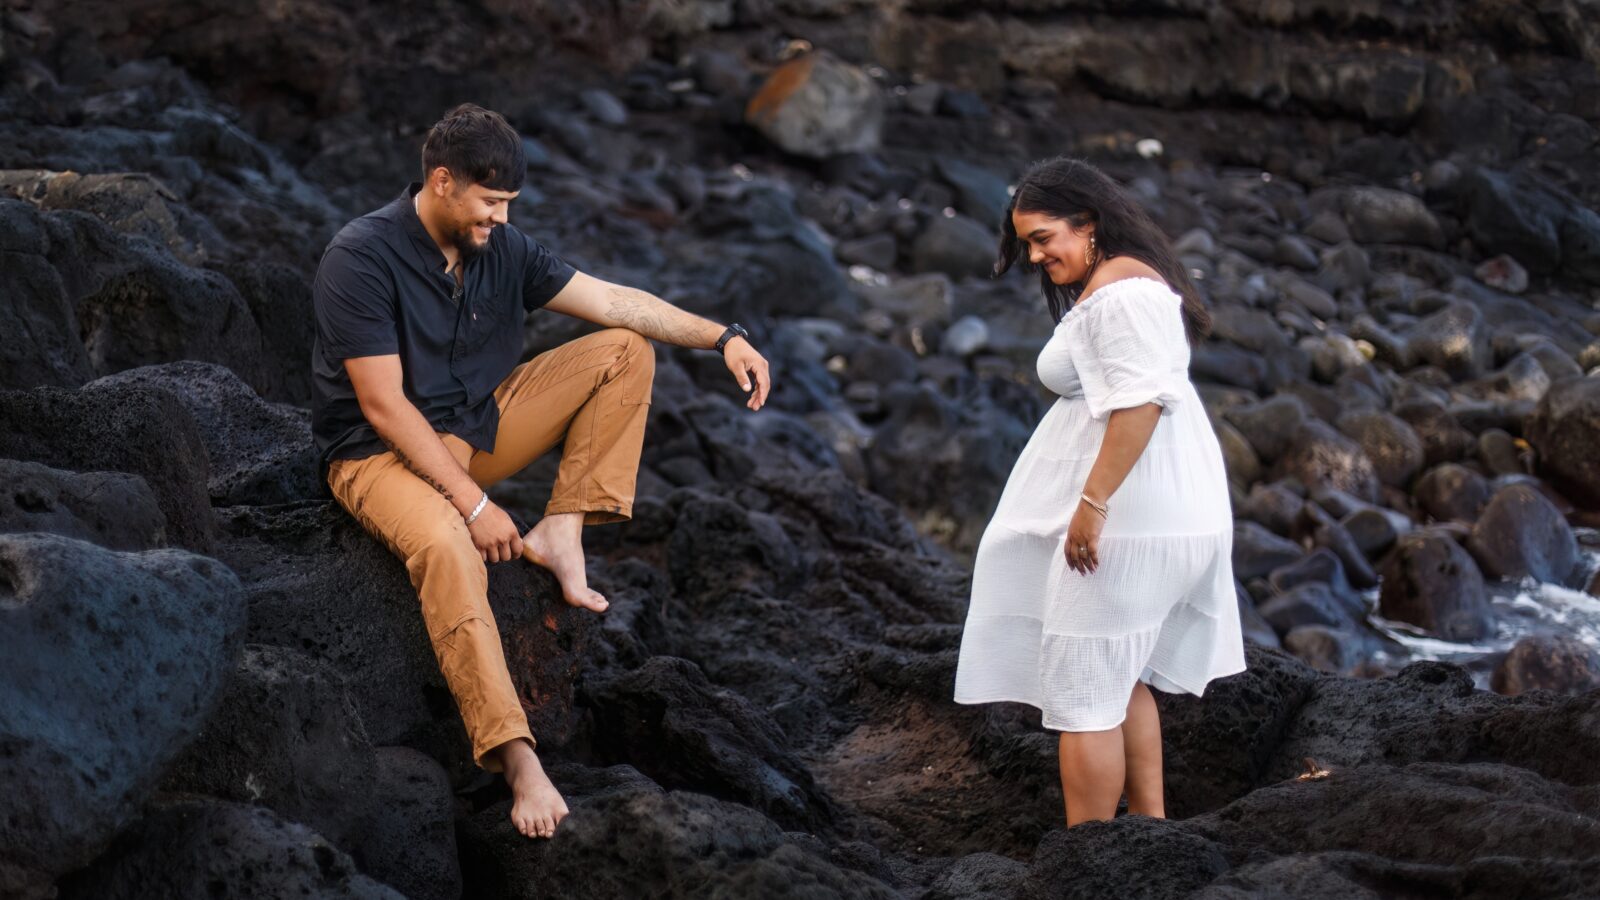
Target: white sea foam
x: 1521, y: 609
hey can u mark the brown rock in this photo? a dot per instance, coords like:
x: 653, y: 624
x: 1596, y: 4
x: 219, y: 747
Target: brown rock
x: 1551, y: 662
x: 1429, y: 581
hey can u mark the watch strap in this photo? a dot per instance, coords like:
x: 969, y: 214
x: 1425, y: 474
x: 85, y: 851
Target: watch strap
x: 734, y: 330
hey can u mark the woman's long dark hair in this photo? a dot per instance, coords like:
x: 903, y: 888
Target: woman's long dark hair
x: 1073, y: 190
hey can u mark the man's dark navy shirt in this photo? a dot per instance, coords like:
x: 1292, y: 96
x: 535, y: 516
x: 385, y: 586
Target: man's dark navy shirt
x: 382, y: 289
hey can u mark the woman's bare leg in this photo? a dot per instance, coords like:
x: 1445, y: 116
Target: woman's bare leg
x: 1093, y: 769
x: 1141, y: 741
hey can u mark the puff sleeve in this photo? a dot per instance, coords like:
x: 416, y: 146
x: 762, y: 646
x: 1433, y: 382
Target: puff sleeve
x: 1129, y: 347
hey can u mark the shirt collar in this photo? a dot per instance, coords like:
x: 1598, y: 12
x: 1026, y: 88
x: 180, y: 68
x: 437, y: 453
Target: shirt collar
x: 428, y: 252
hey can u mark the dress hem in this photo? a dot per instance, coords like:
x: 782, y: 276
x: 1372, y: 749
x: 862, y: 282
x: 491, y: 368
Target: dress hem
x: 1200, y: 692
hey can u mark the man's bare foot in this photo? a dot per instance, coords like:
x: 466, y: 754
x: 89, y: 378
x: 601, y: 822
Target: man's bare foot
x: 536, y: 806
x: 557, y: 544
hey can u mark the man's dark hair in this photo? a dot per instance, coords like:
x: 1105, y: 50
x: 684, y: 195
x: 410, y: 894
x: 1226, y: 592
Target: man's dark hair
x: 478, y: 146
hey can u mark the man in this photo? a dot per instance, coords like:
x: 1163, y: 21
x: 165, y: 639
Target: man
x: 420, y: 405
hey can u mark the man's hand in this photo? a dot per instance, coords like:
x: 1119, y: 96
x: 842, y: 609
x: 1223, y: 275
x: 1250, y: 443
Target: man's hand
x: 750, y: 369
x: 495, y: 535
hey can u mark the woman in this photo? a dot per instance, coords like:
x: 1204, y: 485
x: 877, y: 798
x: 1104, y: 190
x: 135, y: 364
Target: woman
x: 1106, y: 569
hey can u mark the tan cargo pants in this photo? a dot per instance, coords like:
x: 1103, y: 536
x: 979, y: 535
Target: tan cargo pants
x: 595, y: 393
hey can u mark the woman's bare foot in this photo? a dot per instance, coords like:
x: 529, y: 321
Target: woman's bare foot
x: 536, y: 806
x: 556, y: 543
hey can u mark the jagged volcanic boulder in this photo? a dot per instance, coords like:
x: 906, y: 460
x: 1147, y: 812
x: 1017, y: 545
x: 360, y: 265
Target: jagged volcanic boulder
x: 1220, y: 746
x: 261, y: 453
x: 118, y: 428
x: 136, y: 304
x: 286, y: 735
x: 318, y: 583
x: 42, y: 346
x: 666, y: 720
x: 1492, y: 828
x: 1174, y: 860
x: 654, y: 843
x: 198, y: 847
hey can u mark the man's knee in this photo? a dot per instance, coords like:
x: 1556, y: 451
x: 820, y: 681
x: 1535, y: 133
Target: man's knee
x: 637, y: 353
x: 633, y: 343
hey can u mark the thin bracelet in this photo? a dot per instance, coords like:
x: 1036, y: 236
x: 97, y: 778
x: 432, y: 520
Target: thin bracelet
x: 1097, y: 507
x: 478, y: 510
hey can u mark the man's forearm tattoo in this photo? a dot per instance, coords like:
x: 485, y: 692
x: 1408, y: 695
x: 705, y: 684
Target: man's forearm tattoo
x: 406, y: 461
x: 652, y: 317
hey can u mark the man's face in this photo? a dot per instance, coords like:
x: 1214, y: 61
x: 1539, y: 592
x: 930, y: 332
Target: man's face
x: 472, y: 211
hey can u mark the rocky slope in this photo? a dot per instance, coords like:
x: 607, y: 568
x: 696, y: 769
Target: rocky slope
x: 215, y: 682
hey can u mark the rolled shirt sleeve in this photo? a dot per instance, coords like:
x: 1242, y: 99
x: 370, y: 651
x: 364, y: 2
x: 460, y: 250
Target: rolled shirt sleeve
x: 1130, y: 349
x: 544, y: 274
x: 354, y: 305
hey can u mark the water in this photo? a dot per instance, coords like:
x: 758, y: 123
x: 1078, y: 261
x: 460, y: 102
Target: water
x: 1521, y: 609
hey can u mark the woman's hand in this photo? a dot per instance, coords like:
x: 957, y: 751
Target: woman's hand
x: 1083, y: 539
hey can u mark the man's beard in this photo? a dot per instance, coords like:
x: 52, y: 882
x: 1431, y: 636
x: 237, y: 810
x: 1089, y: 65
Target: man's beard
x: 466, y: 249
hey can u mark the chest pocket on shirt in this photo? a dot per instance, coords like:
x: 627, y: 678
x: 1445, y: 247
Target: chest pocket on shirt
x: 497, y: 328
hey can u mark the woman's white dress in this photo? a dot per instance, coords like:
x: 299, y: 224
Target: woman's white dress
x: 1161, y: 606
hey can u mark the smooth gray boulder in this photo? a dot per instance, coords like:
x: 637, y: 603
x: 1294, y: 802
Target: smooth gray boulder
x: 109, y: 662
x: 113, y: 509
x: 1431, y: 582
x: 1547, y: 662
x: 1521, y: 533
x: 1565, y: 431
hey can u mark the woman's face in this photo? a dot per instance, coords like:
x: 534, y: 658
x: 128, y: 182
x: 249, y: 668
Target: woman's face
x: 1054, y: 245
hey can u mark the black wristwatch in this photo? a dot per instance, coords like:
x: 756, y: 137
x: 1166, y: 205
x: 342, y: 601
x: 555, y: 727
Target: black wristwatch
x: 734, y: 330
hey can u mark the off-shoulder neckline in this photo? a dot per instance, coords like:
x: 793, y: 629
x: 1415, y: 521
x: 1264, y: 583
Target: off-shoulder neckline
x: 1083, y: 301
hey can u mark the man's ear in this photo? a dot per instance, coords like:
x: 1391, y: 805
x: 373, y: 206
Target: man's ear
x: 439, y: 181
